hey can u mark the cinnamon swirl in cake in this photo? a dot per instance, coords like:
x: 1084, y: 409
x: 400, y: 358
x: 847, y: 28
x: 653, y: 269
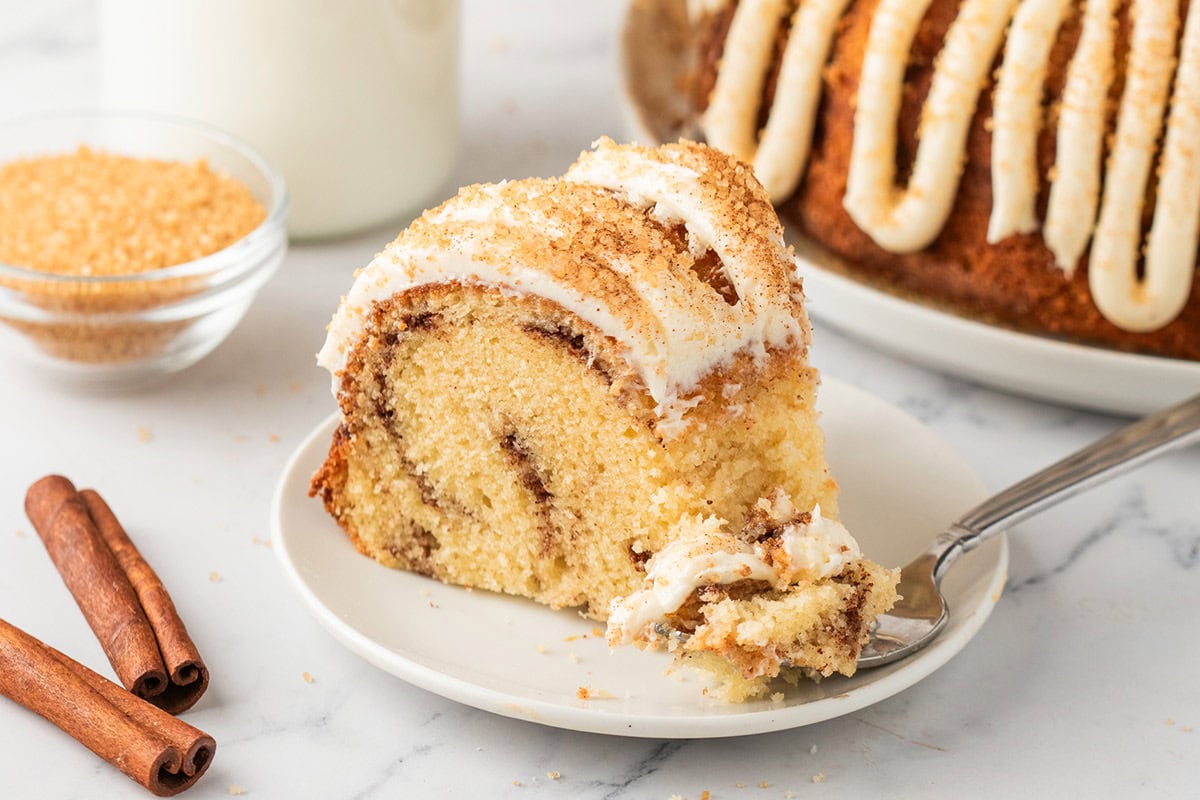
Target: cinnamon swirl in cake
x: 1032, y: 162
x: 543, y: 383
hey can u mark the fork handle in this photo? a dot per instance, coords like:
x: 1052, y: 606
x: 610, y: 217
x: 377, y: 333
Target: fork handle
x: 1115, y: 454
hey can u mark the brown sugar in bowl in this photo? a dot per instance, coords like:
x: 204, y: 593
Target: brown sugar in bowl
x: 130, y: 245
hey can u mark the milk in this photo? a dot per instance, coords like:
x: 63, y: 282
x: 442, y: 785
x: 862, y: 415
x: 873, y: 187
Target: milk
x: 354, y: 101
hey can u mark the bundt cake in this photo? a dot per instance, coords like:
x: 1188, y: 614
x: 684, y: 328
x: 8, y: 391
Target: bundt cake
x: 1031, y: 162
x: 543, y: 383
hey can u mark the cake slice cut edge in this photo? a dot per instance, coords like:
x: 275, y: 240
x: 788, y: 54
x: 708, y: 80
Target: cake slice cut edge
x: 789, y: 595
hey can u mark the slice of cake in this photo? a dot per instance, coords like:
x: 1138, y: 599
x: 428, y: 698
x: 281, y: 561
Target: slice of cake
x: 541, y: 381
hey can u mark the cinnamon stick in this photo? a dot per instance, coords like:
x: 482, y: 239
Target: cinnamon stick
x: 160, y: 752
x: 101, y: 590
x: 186, y: 673
x: 119, y: 594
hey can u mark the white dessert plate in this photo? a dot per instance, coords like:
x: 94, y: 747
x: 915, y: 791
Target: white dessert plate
x: 901, y: 484
x: 1086, y: 377
x: 1036, y: 366
x: 653, y: 57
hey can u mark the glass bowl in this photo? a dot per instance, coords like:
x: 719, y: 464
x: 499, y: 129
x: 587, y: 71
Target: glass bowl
x: 113, y: 331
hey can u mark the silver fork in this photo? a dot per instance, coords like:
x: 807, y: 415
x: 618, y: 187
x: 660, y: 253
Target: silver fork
x: 920, y: 616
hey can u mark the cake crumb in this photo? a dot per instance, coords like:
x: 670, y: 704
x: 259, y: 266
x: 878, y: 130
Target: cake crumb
x: 705, y: 795
x: 812, y: 751
x: 214, y: 577
x: 777, y: 697
x: 432, y: 604
x: 553, y: 774
x: 261, y: 542
x: 308, y: 678
x: 597, y: 632
x: 583, y: 693
x: 1170, y: 720
x: 764, y: 785
x: 574, y: 658
x: 272, y: 438
x: 20, y: 533
x: 541, y: 648
x: 144, y: 435
x: 1186, y: 728
x: 260, y: 389
x: 294, y: 387
x: 575, y: 637
x: 517, y: 783
x: 234, y: 789
x: 819, y: 777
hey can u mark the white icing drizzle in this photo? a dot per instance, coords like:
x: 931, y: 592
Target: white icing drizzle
x: 778, y: 163
x: 1075, y: 185
x: 1017, y: 117
x: 907, y: 220
x: 733, y: 106
x: 780, y: 154
x: 1171, y: 247
x: 1112, y: 268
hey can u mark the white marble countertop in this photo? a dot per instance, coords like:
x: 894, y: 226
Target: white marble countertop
x: 1083, y: 683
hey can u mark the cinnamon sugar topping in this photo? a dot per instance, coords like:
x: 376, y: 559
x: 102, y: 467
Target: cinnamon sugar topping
x: 674, y: 253
x: 96, y: 213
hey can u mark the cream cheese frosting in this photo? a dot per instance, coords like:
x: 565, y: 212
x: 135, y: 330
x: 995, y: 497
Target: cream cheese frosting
x: 1089, y: 201
x: 599, y: 243
x: 808, y: 549
x: 908, y: 219
x: 1017, y: 117
x: 1134, y: 304
x: 1075, y: 185
x: 779, y: 153
x: 1171, y: 244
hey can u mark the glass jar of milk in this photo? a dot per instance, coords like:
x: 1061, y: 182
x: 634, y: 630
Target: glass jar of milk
x: 354, y: 101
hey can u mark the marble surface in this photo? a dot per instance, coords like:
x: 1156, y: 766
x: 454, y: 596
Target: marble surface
x: 1083, y: 683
